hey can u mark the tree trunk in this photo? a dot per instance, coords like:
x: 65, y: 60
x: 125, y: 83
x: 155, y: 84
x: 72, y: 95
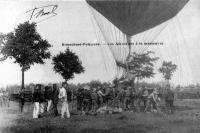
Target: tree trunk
x: 22, y: 87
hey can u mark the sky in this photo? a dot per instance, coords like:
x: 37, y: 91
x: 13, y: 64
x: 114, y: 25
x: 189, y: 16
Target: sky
x: 74, y: 24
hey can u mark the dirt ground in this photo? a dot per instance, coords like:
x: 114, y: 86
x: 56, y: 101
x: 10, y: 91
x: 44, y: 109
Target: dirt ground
x: 186, y: 119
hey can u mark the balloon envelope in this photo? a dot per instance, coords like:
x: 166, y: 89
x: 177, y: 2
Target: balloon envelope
x: 135, y: 16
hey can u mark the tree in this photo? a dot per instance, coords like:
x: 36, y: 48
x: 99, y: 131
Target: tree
x: 167, y: 69
x: 94, y: 83
x: 26, y: 47
x: 140, y: 65
x: 67, y: 64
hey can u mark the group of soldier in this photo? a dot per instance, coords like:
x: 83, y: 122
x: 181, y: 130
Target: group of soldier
x: 4, y: 98
x: 126, y: 98
x: 44, y: 99
x: 90, y: 99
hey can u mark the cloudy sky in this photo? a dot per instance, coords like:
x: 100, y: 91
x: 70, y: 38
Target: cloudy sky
x: 73, y: 24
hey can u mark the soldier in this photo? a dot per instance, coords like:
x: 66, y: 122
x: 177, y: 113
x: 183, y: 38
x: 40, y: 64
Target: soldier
x: 169, y: 99
x: 6, y: 98
x: 148, y: 100
x: 145, y: 97
x: 94, y: 100
x: 100, y: 96
x: 36, y: 100
x: 152, y: 100
x: 80, y: 97
x: 113, y: 95
x: 87, y: 99
x: 69, y: 97
x: 109, y: 95
x: 42, y: 100
x: 156, y: 99
x: 127, y: 96
x: 121, y: 98
x: 48, y: 97
x: 1, y: 98
x: 63, y: 97
x: 115, y: 98
x: 55, y: 99
x: 132, y: 97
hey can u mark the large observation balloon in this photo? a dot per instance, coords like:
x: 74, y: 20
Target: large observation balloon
x: 128, y: 22
x: 135, y: 16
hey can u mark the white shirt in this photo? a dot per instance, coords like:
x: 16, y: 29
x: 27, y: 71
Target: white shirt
x: 154, y: 96
x: 62, y: 94
x: 100, y: 93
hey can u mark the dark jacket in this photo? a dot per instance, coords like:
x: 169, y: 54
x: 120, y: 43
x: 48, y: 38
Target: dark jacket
x: 54, y: 96
x: 169, y: 95
x: 87, y: 95
x: 48, y: 93
x: 80, y: 93
x: 37, y: 96
x: 69, y: 95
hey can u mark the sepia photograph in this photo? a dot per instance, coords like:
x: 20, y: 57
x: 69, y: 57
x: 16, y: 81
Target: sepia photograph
x: 99, y: 66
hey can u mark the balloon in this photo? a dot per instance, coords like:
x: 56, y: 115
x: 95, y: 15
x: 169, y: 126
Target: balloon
x: 135, y: 16
x: 130, y: 21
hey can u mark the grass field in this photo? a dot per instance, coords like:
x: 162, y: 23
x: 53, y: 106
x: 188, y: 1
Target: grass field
x: 186, y: 119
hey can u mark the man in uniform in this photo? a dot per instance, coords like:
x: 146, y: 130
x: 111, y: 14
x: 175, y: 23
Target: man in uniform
x: 48, y: 97
x: 100, y: 96
x: 152, y: 100
x: 87, y: 99
x: 109, y: 95
x: 63, y: 97
x: 133, y: 97
x: 80, y: 97
x: 121, y: 98
x: 127, y: 96
x: 169, y: 99
x: 6, y: 98
x: 94, y: 99
x: 145, y: 97
x: 36, y: 99
x: 55, y: 99
x: 42, y: 100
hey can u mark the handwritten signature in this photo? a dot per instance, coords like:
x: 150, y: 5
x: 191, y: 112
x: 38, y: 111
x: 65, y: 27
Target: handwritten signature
x: 49, y: 10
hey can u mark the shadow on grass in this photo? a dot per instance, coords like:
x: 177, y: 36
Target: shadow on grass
x: 112, y: 130
x: 76, y: 125
x: 123, y: 117
x: 55, y: 129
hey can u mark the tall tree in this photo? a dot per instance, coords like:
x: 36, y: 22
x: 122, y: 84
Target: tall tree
x: 67, y: 64
x: 140, y: 65
x: 167, y: 69
x: 26, y: 47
